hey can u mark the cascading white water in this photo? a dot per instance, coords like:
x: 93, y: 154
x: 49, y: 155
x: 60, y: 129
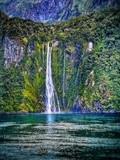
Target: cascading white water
x: 52, y: 103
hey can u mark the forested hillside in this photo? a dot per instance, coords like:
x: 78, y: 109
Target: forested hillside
x: 86, y: 79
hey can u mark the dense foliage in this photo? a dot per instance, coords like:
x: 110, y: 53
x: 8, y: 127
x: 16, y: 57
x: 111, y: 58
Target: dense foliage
x: 77, y: 73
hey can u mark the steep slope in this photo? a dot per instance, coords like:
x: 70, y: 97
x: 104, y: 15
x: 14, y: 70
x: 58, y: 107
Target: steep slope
x: 52, y: 10
x: 86, y: 78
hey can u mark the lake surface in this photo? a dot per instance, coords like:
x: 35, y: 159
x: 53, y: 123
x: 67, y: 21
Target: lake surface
x: 60, y: 137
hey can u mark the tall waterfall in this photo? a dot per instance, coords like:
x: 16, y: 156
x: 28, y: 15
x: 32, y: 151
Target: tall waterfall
x: 52, y: 103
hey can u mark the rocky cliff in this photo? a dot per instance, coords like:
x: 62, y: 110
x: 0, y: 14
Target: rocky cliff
x: 13, y: 52
x: 52, y: 10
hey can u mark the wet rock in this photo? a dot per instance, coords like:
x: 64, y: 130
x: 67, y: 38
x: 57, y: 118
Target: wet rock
x: 97, y: 106
x: 13, y: 52
x: 78, y: 107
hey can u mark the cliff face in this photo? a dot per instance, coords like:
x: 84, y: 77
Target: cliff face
x: 52, y: 10
x: 13, y: 52
x: 85, y: 63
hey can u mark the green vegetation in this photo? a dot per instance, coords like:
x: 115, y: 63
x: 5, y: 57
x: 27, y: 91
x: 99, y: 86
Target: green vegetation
x: 33, y: 78
x: 91, y: 76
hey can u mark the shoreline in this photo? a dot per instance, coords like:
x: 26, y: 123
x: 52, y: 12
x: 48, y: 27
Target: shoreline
x: 27, y: 113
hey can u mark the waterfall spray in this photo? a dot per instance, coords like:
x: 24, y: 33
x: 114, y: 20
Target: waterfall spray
x: 52, y: 103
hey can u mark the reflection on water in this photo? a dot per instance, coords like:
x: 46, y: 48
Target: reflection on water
x: 59, y: 137
x: 50, y: 118
x: 48, y: 132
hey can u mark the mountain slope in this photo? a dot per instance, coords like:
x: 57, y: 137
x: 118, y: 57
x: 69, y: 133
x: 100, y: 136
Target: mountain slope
x: 87, y: 80
x: 52, y: 10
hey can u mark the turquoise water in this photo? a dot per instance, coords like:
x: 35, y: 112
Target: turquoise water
x: 60, y: 137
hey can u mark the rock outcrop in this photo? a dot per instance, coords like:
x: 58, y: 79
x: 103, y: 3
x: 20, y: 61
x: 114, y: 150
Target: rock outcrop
x: 52, y: 10
x: 13, y: 52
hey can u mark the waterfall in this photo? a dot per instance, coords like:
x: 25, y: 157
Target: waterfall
x: 63, y: 84
x: 52, y: 102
